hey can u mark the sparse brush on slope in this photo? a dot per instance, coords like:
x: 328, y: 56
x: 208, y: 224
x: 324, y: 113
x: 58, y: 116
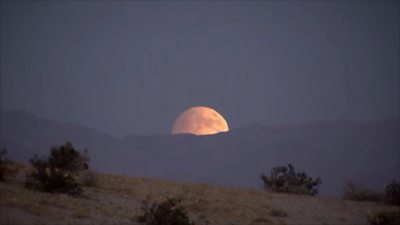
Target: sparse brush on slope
x: 357, y: 192
x: 58, y: 172
x: 285, y: 179
x: 3, y: 168
x: 7, y: 167
x: 392, y: 193
x: 168, y: 212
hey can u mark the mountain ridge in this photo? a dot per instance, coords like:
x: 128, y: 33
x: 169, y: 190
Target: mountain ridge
x: 333, y: 150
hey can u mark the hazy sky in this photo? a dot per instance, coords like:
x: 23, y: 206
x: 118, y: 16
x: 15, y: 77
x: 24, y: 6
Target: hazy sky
x: 131, y: 67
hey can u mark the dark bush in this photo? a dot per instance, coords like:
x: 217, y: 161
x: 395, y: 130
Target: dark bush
x: 356, y: 192
x: 67, y: 158
x: 285, y: 179
x: 58, y: 172
x: 168, y: 212
x: 392, y: 193
x: 3, y: 168
x: 8, y: 168
x: 384, y: 217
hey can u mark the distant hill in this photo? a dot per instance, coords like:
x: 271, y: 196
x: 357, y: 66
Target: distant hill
x: 368, y: 153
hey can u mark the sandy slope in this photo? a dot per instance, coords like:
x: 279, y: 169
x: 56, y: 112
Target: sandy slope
x: 117, y: 199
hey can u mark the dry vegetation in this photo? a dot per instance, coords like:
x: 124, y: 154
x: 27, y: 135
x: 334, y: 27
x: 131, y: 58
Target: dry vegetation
x: 117, y: 200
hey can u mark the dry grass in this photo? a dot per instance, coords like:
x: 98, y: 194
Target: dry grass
x: 116, y: 200
x: 204, y: 202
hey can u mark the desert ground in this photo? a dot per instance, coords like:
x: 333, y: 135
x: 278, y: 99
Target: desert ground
x: 117, y: 199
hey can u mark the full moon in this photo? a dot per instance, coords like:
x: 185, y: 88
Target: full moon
x: 200, y: 120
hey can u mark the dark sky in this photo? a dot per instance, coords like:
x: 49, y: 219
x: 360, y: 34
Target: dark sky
x: 130, y: 67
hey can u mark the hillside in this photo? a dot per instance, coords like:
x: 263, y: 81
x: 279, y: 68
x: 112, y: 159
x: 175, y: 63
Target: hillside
x: 366, y: 153
x: 117, y: 200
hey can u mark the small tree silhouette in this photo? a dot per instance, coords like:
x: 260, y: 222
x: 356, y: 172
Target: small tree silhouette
x: 285, y: 179
x: 58, y: 172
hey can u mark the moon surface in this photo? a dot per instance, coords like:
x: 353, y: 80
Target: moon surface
x: 200, y: 120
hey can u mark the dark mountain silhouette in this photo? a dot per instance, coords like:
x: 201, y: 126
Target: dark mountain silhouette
x: 367, y: 153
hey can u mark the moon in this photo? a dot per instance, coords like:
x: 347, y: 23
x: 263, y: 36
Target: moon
x: 200, y: 120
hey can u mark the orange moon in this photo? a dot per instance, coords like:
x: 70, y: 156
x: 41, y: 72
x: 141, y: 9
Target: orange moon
x: 200, y: 120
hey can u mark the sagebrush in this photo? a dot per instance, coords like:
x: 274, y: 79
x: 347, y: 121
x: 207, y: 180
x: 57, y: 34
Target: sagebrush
x: 59, y: 171
x: 285, y: 179
x: 168, y: 212
x: 3, y: 168
x: 357, y: 192
x: 392, y: 193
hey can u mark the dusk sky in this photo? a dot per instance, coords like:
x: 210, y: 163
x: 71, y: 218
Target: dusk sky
x: 130, y: 67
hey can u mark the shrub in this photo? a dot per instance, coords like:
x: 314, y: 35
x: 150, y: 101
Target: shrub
x: 392, y: 193
x: 168, y: 212
x: 359, y: 193
x: 3, y: 168
x: 58, y: 172
x: 67, y: 158
x: 285, y: 179
x: 8, y: 168
x: 384, y: 217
